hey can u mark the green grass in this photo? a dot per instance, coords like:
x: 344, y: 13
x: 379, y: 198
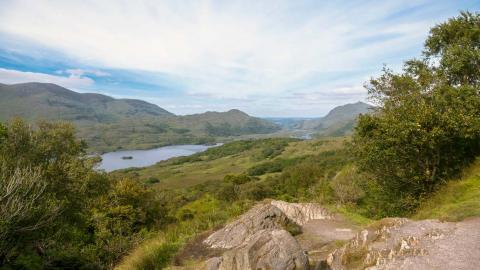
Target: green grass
x: 159, y: 251
x: 456, y: 200
x: 216, y: 163
x: 352, y: 216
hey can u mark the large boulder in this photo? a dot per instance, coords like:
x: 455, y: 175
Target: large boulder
x: 267, y: 215
x: 266, y: 249
x: 258, y: 239
x: 260, y: 217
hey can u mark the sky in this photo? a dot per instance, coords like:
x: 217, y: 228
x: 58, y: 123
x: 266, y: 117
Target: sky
x: 267, y: 58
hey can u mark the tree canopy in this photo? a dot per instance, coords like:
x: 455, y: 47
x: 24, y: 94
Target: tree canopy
x: 426, y: 127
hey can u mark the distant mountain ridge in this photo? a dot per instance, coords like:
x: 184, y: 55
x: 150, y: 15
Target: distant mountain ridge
x: 52, y: 102
x: 339, y: 121
x: 107, y: 123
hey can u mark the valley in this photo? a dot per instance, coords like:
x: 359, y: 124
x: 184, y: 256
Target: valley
x: 107, y: 124
x: 91, y: 181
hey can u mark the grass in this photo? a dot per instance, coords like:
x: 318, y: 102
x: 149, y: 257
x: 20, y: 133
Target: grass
x: 350, y: 215
x: 159, y: 251
x: 456, y: 200
x: 189, y: 174
x: 207, y: 212
x: 174, y: 174
x: 155, y: 253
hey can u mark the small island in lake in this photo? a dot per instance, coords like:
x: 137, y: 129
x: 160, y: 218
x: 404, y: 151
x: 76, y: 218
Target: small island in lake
x: 127, y: 157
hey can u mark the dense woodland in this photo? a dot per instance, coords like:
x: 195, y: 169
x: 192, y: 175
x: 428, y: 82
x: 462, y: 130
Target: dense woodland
x: 57, y: 211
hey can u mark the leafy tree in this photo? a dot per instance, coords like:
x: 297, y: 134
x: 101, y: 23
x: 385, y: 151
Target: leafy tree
x: 456, y: 44
x: 57, y: 211
x: 427, y: 124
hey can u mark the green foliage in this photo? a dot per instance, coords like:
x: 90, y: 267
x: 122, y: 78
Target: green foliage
x: 458, y: 199
x: 158, y: 252
x: 427, y: 127
x: 455, y: 43
x: 346, y: 185
x: 252, y: 126
x: 56, y: 211
x: 276, y: 165
x: 152, y: 180
x: 310, y: 178
x: 275, y: 145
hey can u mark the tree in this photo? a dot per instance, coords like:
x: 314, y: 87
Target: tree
x: 456, y: 43
x: 427, y: 124
x: 25, y: 206
x: 57, y: 211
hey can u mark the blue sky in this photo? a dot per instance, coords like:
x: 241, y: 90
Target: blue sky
x: 267, y: 58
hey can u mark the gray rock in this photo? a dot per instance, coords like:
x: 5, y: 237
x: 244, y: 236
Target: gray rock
x: 301, y: 213
x: 266, y: 249
x: 260, y: 217
x: 258, y: 240
x: 398, y: 243
x: 267, y: 215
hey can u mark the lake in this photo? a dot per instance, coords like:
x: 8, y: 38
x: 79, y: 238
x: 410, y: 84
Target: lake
x: 141, y: 158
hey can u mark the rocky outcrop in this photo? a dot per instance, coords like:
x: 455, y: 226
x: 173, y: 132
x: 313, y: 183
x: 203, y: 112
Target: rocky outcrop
x: 268, y: 215
x: 258, y: 240
x: 301, y: 213
x: 398, y: 243
x: 260, y: 217
x: 266, y: 249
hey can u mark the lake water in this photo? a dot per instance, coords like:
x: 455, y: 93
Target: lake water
x: 141, y: 158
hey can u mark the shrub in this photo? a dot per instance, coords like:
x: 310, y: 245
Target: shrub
x: 346, y: 185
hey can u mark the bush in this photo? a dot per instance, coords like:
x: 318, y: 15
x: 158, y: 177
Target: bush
x: 255, y: 191
x: 346, y: 185
x: 152, y: 180
x: 276, y: 165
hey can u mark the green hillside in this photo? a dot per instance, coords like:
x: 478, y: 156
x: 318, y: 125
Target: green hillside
x: 49, y: 101
x: 339, y: 121
x: 458, y: 199
x: 110, y: 124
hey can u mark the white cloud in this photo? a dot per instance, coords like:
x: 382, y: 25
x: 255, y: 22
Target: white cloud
x: 225, y: 49
x: 81, y: 72
x: 269, y: 57
x: 8, y: 76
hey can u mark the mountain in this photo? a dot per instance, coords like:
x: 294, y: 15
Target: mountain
x: 49, y: 101
x: 231, y: 123
x: 106, y: 123
x: 339, y: 121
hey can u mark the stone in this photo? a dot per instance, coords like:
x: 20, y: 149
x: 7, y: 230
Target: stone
x: 301, y: 213
x: 260, y: 217
x: 266, y: 249
x: 257, y: 239
x: 400, y: 243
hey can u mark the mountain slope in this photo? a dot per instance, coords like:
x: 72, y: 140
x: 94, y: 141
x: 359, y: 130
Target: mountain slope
x: 339, y: 121
x: 107, y: 123
x: 49, y: 101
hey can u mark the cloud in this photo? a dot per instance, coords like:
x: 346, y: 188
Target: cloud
x: 9, y: 76
x: 232, y: 50
x: 81, y: 72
